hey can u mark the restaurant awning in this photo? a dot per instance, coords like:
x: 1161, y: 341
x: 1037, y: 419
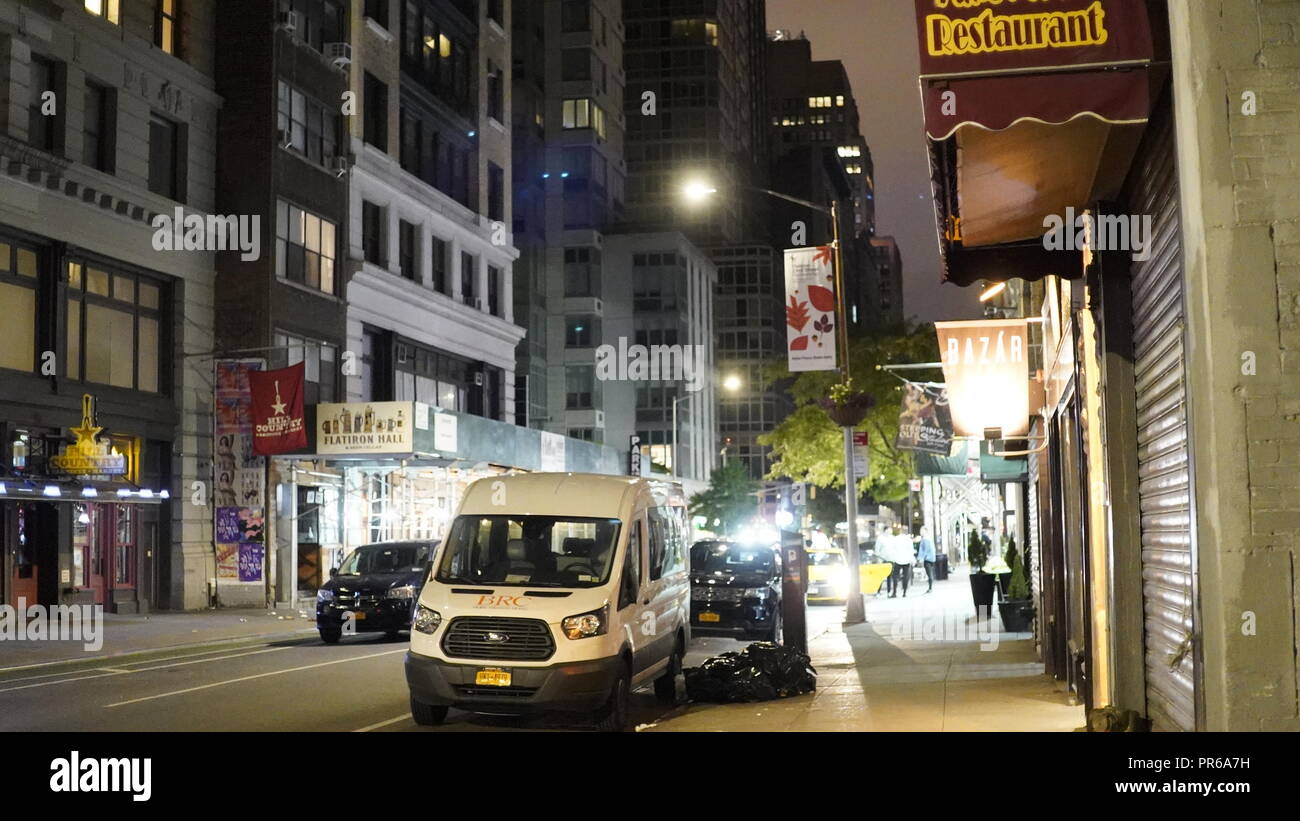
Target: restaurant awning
x: 1029, y: 109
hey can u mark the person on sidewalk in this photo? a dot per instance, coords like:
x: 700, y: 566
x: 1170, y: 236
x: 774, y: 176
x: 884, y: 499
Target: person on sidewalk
x: 899, y: 552
x: 926, y: 555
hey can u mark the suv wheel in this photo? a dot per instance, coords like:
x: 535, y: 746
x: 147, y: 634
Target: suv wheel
x: 777, y: 633
x: 330, y: 635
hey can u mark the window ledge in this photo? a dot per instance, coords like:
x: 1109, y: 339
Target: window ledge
x: 378, y: 30
x: 308, y: 289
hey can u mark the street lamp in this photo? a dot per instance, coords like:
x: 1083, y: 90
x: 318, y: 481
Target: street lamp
x: 696, y: 191
x: 731, y: 384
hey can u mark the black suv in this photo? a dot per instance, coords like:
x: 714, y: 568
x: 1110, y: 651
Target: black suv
x: 374, y: 590
x: 736, y: 590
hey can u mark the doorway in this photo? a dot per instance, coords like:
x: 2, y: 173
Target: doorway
x: 31, y: 538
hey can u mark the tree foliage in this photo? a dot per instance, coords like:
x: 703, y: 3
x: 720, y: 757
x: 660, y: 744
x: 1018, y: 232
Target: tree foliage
x: 809, y: 447
x: 729, y: 501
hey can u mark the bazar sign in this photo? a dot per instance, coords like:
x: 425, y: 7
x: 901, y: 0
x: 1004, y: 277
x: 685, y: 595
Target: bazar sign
x: 88, y: 456
x: 365, y: 427
x: 990, y: 35
x: 986, y: 368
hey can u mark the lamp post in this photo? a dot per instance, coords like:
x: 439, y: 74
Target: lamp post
x: 731, y: 384
x: 698, y: 191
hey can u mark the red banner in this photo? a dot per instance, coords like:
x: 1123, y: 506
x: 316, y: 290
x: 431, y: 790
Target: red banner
x: 278, y: 422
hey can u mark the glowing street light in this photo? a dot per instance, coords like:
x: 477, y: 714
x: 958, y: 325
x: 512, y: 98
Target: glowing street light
x: 697, y: 191
x: 732, y: 383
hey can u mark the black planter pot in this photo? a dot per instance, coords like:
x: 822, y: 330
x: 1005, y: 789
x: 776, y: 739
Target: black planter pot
x: 981, y: 590
x: 1004, y: 585
x: 1017, y: 615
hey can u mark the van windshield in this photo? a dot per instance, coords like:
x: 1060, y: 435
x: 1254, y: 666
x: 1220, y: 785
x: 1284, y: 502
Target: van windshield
x: 533, y: 551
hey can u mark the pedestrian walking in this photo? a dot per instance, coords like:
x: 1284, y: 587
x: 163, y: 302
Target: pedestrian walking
x: 925, y: 554
x: 899, y: 553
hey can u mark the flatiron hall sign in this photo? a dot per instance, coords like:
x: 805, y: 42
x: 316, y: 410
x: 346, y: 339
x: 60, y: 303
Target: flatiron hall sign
x: 959, y: 36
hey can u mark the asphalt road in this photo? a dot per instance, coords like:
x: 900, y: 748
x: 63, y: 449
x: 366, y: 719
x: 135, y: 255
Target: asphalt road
x: 357, y: 685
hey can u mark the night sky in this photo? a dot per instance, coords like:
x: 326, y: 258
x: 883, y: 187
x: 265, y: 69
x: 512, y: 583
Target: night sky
x: 876, y: 40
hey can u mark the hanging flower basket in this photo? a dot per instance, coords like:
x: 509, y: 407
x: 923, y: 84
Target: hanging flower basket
x: 845, y: 406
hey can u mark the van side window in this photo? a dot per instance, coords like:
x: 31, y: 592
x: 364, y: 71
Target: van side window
x: 675, y: 553
x: 657, y: 524
x: 631, y: 585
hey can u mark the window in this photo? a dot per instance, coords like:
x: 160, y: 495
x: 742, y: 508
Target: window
x: 305, y: 247
x: 18, y: 275
x: 495, y: 92
x: 377, y: 10
x: 124, y: 545
x: 440, y: 250
x: 496, y: 11
x: 496, y: 193
x: 41, y: 127
x: 579, y: 385
x: 575, y: 15
x: 819, y: 102
x: 410, y: 140
x: 575, y: 64
x: 629, y: 591
x: 584, y: 113
x: 104, y: 8
x: 165, y: 158
x: 376, y: 114
x: 372, y: 233
x: 97, y: 128
x: 165, y: 30
x: 319, y: 365
x: 431, y: 376
x: 406, y: 250
x: 580, y: 331
x: 321, y: 21
x: 494, y: 290
x: 468, y: 273
x: 581, y: 272
x: 849, y: 151
x: 114, y: 327
x: 307, y: 126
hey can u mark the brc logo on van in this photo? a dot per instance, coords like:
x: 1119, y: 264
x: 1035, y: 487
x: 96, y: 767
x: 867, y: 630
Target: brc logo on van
x: 500, y: 601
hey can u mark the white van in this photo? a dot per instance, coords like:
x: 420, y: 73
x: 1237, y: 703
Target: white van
x: 554, y: 591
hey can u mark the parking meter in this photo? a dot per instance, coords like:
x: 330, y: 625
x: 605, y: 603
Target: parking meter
x: 794, y: 586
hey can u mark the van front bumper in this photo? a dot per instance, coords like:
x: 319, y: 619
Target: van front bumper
x: 580, y: 686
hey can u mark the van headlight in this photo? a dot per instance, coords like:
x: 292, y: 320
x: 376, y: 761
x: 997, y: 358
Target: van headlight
x: 406, y: 591
x: 587, y: 625
x: 324, y: 595
x: 426, y: 620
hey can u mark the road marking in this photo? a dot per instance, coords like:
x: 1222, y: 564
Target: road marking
x: 236, y: 640
x: 114, y: 671
x: 91, y: 660
x: 402, y: 717
x: 250, y: 678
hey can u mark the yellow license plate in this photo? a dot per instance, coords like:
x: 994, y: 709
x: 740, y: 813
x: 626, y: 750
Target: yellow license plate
x: 492, y: 678
x: 710, y: 617
x: 358, y: 615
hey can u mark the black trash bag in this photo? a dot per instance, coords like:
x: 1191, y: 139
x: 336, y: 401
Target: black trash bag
x: 762, y: 672
x: 788, y: 671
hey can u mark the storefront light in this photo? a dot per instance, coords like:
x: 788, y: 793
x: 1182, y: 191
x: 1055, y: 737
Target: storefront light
x: 3, y: 490
x: 146, y: 493
x: 83, y: 518
x: 123, y: 493
x: 164, y: 494
x: 52, y: 490
x: 89, y: 492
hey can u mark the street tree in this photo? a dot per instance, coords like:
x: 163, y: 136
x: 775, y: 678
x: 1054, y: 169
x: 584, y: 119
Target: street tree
x: 729, y: 501
x: 809, y: 447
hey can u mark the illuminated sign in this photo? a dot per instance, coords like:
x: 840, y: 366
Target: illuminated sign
x: 986, y: 369
x: 88, y: 456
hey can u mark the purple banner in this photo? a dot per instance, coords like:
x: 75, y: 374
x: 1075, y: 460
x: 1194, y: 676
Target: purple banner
x: 250, y: 562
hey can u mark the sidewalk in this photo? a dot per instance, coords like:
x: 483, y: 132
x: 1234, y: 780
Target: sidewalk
x: 123, y: 634
x: 883, y: 676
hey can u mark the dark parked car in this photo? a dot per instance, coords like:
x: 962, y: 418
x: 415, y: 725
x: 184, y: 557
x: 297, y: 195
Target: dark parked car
x: 375, y: 589
x: 736, y: 590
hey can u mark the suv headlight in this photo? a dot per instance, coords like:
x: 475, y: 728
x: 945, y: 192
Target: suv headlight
x: 759, y: 593
x: 587, y: 625
x: 406, y: 591
x: 426, y: 620
x: 324, y: 595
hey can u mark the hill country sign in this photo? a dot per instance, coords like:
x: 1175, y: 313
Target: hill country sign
x: 88, y: 456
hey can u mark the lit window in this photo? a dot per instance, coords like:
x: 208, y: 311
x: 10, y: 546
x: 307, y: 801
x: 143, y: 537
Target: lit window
x: 165, y: 26
x: 853, y: 169
x: 850, y: 151
x: 839, y: 101
x: 104, y: 8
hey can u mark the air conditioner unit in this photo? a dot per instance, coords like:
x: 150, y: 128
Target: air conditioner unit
x: 600, y: 419
x: 339, y: 165
x: 288, y: 21
x: 340, y: 54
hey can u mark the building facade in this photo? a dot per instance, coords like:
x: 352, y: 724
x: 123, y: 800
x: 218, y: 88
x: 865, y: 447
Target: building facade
x: 108, y: 120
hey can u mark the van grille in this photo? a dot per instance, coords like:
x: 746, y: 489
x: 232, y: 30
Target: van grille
x: 467, y: 637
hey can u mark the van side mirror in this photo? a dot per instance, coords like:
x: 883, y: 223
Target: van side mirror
x: 334, y: 571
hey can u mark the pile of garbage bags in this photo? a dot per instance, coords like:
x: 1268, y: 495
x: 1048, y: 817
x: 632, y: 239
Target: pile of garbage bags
x: 761, y: 672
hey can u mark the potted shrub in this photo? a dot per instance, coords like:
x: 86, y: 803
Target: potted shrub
x: 846, y: 406
x: 981, y: 583
x: 1017, y: 609
x: 1006, y: 567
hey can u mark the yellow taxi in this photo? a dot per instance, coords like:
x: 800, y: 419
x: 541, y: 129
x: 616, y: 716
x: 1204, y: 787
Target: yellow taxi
x: 828, y: 576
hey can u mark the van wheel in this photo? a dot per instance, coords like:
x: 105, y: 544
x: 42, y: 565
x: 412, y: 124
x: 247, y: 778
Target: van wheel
x: 666, y: 684
x: 427, y: 715
x: 330, y: 636
x: 613, y: 717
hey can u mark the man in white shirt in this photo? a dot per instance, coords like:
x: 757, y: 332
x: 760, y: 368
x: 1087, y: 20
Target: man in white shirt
x: 898, y: 551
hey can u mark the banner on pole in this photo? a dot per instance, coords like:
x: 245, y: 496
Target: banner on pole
x: 279, y: 425
x: 810, y: 318
x: 925, y: 422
